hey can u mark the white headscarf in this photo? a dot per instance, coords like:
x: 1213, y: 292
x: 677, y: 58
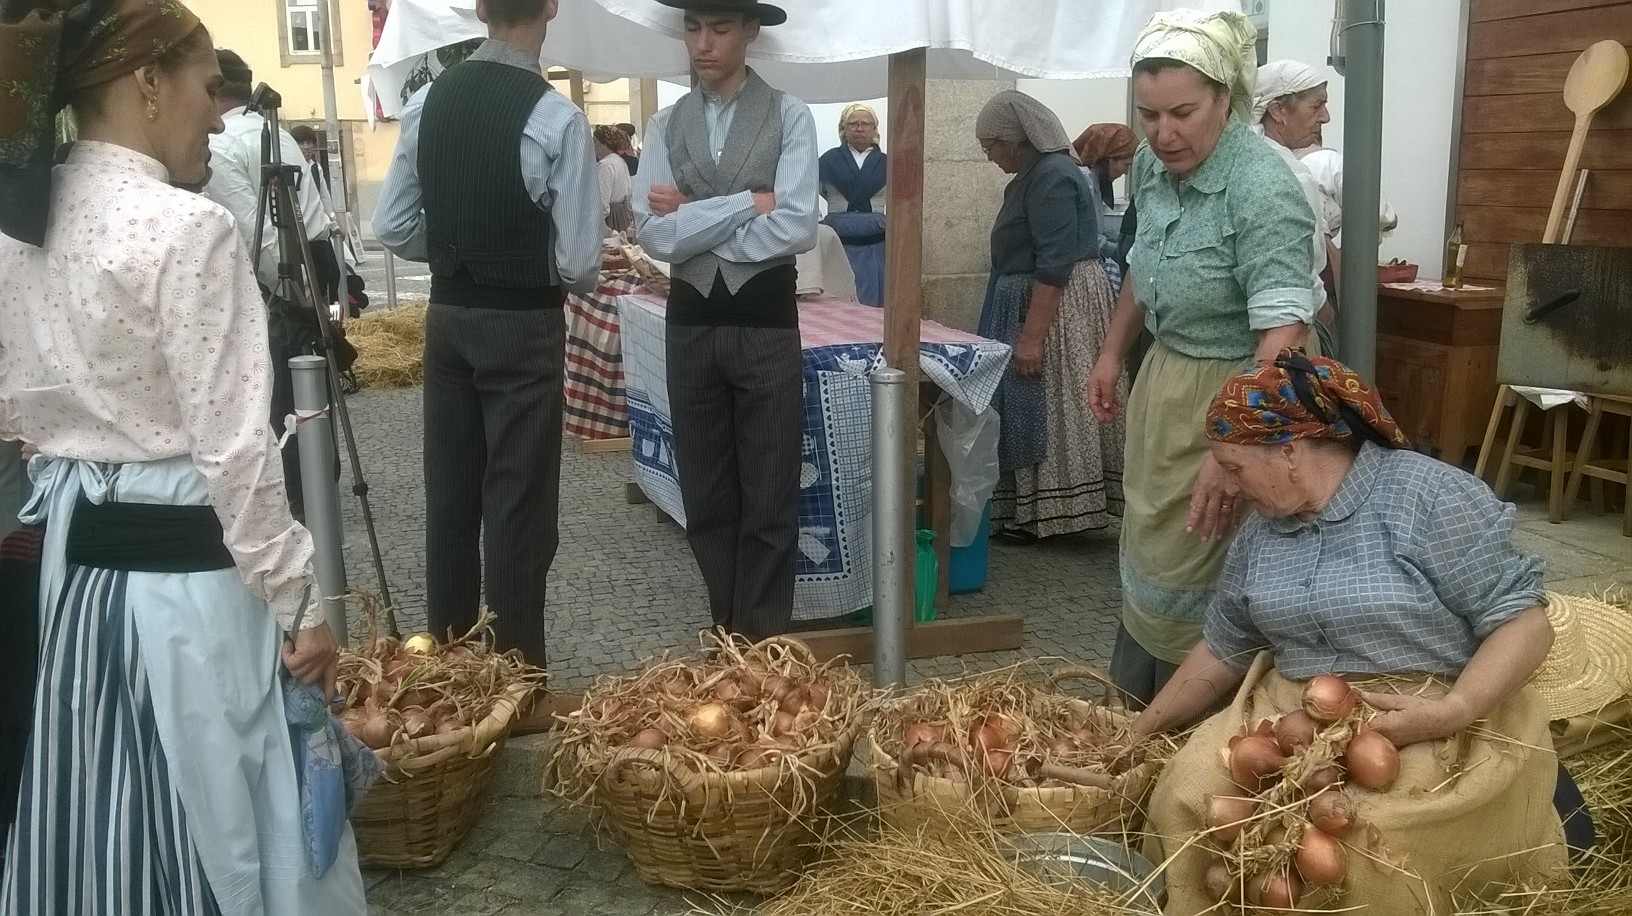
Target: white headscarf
x: 1279, y: 79
x: 1222, y: 46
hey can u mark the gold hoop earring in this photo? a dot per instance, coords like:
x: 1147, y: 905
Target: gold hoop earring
x: 152, y: 110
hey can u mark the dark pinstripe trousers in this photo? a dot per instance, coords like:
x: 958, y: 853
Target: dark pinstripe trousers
x: 737, y: 399
x: 492, y: 468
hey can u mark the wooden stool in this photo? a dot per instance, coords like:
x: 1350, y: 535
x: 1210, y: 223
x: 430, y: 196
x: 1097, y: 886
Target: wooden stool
x: 1614, y: 470
x: 1552, y: 458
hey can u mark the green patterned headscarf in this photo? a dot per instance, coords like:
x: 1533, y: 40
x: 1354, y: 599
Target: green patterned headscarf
x: 1223, y: 46
x: 48, y: 50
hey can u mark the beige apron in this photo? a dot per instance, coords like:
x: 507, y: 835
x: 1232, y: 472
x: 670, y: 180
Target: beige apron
x: 1494, y: 825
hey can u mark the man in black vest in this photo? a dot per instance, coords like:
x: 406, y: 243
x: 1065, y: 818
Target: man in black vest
x: 493, y: 183
x: 727, y: 193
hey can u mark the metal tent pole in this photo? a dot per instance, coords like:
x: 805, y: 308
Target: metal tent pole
x: 320, y: 490
x: 1361, y: 63
x: 893, y: 579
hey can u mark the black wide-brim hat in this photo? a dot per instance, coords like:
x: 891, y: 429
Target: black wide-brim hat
x: 764, y: 12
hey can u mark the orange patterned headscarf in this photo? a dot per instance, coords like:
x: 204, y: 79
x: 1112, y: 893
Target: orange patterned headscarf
x: 48, y: 49
x: 1300, y: 397
x: 1100, y: 142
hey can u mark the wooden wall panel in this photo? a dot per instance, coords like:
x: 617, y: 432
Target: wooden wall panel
x: 1486, y: 10
x: 1567, y: 31
x: 1515, y: 128
x: 1605, y: 149
x: 1519, y: 75
x: 1538, y: 111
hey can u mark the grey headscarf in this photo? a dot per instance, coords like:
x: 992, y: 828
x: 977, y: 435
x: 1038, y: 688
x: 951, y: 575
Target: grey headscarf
x: 1014, y: 116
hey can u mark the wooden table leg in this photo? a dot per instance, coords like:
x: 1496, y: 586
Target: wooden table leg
x: 1583, y: 455
x: 938, y: 500
x: 1504, y: 399
x: 1561, y: 461
x: 1504, y: 472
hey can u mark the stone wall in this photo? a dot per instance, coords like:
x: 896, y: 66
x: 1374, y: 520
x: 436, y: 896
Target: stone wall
x: 962, y: 192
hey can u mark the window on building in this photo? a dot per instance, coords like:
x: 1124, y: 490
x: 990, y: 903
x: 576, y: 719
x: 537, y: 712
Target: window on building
x: 301, y: 29
x: 305, y: 30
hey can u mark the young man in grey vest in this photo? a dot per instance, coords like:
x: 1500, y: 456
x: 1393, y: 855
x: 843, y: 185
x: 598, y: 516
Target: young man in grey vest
x: 493, y: 183
x: 727, y: 193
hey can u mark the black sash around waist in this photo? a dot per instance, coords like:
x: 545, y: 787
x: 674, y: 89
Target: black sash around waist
x: 137, y: 537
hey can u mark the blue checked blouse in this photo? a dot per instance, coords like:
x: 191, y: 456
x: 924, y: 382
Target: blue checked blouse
x: 1406, y: 570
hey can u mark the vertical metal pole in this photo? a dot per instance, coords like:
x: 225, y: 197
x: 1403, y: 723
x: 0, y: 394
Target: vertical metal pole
x: 390, y: 279
x: 321, y: 492
x: 1362, y: 181
x: 331, y: 125
x: 892, y: 589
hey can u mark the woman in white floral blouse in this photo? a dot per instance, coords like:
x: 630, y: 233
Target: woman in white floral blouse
x: 160, y: 777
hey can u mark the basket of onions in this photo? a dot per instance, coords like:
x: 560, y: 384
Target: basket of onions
x: 1012, y: 753
x: 437, y: 714
x: 716, y: 774
x: 1282, y: 839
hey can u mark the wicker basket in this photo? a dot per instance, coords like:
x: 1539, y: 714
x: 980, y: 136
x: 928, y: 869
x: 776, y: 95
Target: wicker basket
x: 936, y: 804
x: 746, y: 830
x: 432, y: 790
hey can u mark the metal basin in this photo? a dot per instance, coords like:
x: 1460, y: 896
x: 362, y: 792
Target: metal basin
x: 1091, y: 860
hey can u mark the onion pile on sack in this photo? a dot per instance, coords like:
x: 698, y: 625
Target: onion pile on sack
x: 1007, y: 728
x: 740, y: 708
x: 397, y: 691
x: 1283, y: 840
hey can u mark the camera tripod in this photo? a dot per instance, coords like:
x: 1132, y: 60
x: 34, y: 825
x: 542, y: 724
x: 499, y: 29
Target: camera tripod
x: 296, y: 284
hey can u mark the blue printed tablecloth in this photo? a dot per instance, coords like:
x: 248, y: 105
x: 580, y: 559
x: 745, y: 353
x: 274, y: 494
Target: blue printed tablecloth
x: 843, y: 343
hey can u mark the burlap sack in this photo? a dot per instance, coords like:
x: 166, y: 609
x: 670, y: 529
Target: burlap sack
x: 1590, y: 731
x: 1492, y: 825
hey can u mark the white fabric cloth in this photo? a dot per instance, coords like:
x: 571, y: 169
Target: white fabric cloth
x: 211, y: 653
x: 825, y: 270
x: 1326, y: 165
x: 235, y: 182
x: 1281, y: 78
x: 612, y: 174
x: 827, y: 51
x: 860, y: 155
x: 138, y: 334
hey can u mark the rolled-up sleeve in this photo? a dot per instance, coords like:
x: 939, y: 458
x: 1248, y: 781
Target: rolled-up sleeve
x: 1464, y: 546
x: 1274, y: 257
x: 1052, y: 208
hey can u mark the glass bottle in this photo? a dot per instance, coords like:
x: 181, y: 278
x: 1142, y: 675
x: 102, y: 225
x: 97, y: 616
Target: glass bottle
x: 1456, y: 254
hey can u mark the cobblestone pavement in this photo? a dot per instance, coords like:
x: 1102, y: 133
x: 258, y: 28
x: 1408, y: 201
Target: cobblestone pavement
x: 624, y: 588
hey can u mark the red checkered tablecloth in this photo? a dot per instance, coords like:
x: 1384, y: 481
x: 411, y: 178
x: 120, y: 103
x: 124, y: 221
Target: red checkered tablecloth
x: 595, y: 406
x: 836, y: 322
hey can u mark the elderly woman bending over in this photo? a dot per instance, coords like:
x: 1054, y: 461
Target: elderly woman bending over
x: 1061, y: 470
x: 1399, y: 573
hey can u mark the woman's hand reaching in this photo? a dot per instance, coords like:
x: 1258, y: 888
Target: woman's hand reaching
x: 313, y: 657
x: 1215, y: 502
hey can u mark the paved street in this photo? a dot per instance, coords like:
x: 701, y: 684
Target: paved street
x: 624, y: 588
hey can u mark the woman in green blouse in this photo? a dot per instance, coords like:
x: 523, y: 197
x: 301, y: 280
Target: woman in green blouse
x: 1220, y: 273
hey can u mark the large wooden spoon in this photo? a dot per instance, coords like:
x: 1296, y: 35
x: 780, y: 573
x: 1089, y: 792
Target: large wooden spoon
x: 1596, y: 78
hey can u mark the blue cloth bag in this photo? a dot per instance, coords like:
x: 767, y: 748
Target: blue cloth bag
x: 335, y: 770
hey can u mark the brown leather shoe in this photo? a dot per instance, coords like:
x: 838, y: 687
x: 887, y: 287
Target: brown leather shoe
x: 541, y: 716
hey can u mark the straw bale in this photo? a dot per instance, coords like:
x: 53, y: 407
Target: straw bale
x: 390, y: 346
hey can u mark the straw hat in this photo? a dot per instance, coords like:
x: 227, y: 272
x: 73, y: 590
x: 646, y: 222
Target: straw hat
x: 1590, y: 664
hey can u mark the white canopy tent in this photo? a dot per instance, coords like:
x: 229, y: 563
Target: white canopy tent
x: 830, y: 51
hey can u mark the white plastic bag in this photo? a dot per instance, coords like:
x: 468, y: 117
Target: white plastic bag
x: 969, y: 441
